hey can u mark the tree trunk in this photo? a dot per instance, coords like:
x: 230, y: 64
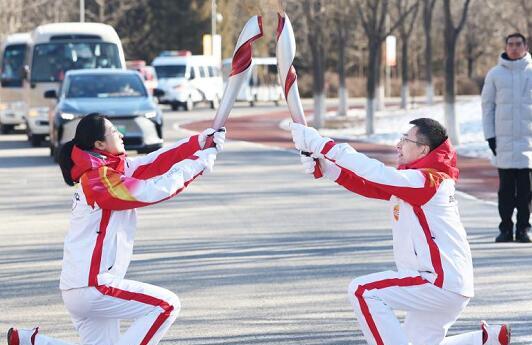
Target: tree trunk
x: 371, y: 105
x: 427, y: 25
x: 373, y: 72
x: 319, y: 108
x: 404, y: 73
x: 343, y: 100
x: 379, y: 83
x: 380, y: 96
x: 428, y: 68
x: 342, y: 90
x: 318, y: 85
x: 102, y: 11
x: 470, y: 67
x: 315, y: 37
x: 450, y: 114
x: 450, y: 37
x: 429, y: 92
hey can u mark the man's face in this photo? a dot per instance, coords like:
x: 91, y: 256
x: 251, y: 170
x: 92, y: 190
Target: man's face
x: 410, y: 148
x: 516, y: 48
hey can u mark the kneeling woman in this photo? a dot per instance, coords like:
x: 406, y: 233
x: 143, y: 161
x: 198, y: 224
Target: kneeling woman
x: 99, y: 244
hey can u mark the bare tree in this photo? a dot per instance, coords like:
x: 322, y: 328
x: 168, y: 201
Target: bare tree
x: 314, y: 12
x: 473, y: 51
x: 527, y: 9
x: 341, y: 30
x: 372, y: 15
x: 25, y: 15
x: 514, y: 15
x: 111, y: 11
x: 451, y: 33
x: 428, y: 9
x: 405, y: 31
x: 478, y: 32
x: 344, y: 26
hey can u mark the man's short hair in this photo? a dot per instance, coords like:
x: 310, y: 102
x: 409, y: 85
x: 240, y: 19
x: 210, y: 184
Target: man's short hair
x: 516, y: 34
x: 430, y: 132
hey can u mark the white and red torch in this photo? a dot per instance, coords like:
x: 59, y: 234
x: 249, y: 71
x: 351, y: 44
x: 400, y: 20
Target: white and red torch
x: 286, y: 51
x: 240, y: 68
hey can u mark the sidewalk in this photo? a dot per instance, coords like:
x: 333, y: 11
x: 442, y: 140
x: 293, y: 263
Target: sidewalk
x: 477, y: 176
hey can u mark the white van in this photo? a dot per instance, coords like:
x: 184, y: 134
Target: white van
x: 188, y: 79
x: 262, y: 84
x: 12, y: 109
x: 54, y: 49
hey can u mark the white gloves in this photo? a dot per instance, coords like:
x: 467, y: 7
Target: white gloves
x: 329, y: 169
x: 218, y: 136
x: 309, y: 164
x: 219, y: 139
x: 307, y: 139
x: 206, y: 158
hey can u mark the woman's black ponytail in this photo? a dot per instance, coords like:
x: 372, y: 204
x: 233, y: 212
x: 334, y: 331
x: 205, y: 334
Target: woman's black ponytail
x: 90, y: 129
x: 65, y: 161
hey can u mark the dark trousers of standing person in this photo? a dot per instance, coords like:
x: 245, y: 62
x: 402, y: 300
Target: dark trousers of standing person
x: 514, y: 193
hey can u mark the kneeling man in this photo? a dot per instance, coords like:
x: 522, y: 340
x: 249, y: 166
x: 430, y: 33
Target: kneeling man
x: 434, y: 278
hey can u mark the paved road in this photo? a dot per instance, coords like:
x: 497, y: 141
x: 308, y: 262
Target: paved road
x: 258, y: 252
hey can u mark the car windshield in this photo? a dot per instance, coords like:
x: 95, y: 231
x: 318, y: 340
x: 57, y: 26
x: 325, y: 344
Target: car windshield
x: 170, y: 71
x: 105, y: 86
x: 52, y: 60
x: 12, y: 65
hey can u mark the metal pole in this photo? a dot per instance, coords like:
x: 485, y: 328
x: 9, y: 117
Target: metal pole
x: 213, y: 24
x: 387, y: 70
x: 82, y: 11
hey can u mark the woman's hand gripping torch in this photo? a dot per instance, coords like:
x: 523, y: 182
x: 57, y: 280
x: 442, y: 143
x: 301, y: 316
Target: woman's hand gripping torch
x: 240, y: 68
x: 286, y: 51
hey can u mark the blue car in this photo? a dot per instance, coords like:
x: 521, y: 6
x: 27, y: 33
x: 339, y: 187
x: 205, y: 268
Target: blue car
x: 119, y: 94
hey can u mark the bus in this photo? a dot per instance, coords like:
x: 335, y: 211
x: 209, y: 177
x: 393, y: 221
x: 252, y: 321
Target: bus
x: 262, y: 84
x: 53, y: 50
x: 12, y: 108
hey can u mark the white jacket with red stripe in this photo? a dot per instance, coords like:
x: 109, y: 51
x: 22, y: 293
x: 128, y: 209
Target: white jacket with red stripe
x: 428, y: 235
x: 99, y: 244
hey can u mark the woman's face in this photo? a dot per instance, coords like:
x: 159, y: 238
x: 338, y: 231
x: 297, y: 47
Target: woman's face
x: 113, y: 142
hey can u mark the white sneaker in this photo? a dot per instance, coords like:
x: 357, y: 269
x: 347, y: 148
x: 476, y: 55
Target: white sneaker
x: 495, y: 334
x: 21, y: 336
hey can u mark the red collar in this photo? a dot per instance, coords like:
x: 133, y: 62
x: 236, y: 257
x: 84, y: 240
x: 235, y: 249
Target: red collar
x: 442, y: 159
x: 91, y: 160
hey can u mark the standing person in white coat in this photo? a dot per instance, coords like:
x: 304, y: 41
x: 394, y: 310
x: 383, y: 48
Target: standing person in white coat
x: 99, y: 245
x: 507, y: 120
x: 434, y: 278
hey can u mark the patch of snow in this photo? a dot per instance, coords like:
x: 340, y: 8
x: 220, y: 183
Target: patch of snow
x: 391, y: 123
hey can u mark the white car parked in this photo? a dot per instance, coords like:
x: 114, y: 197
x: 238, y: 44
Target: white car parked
x: 188, y: 79
x: 262, y: 84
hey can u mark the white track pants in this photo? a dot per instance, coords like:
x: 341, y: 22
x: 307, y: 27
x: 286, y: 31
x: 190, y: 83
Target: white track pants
x: 430, y: 310
x: 96, y: 313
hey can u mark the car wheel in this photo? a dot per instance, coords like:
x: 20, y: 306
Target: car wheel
x: 57, y: 153
x: 28, y: 132
x: 174, y: 106
x: 36, y: 140
x: 189, y: 105
x: 215, y: 103
x: 6, y: 129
